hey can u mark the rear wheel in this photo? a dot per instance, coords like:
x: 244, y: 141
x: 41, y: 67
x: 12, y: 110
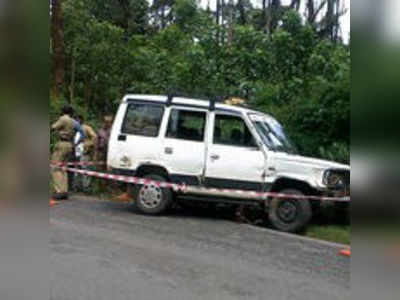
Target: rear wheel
x: 151, y: 199
x: 290, y: 214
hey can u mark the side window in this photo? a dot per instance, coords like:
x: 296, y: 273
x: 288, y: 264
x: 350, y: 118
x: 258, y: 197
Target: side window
x: 232, y: 131
x: 186, y: 125
x: 142, y: 119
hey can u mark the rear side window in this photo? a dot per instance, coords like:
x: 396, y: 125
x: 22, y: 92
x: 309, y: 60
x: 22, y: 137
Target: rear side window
x: 143, y: 119
x: 232, y: 131
x: 186, y: 125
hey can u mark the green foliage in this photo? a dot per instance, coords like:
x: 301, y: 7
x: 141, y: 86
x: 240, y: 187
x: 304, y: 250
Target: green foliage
x: 302, y: 80
x: 186, y: 13
x: 332, y: 233
x: 131, y: 15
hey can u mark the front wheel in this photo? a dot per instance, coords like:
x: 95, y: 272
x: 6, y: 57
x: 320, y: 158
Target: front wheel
x: 151, y: 199
x: 290, y: 215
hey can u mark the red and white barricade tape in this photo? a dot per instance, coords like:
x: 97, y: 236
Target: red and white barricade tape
x: 127, y: 179
x: 77, y: 163
x: 183, y: 188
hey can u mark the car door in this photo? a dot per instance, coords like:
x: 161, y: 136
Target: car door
x: 184, y: 144
x: 134, y: 139
x: 233, y: 158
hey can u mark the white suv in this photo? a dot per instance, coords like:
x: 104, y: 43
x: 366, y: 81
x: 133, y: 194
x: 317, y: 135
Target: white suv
x: 213, y: 148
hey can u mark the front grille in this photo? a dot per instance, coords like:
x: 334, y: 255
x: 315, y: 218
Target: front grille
x: 343, y: 190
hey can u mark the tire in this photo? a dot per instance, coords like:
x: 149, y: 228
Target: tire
x: 152, y: 200
x: 289, y: 215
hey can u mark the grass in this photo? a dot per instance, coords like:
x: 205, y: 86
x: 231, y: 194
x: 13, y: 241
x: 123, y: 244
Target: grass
x: 332, y: 233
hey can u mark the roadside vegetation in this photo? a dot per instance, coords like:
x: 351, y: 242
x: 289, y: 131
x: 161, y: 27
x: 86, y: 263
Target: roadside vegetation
x: 332, y: 233
x: 293, y: 67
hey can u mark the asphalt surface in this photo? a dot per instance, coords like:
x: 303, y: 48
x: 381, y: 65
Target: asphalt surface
x: 107, y: 251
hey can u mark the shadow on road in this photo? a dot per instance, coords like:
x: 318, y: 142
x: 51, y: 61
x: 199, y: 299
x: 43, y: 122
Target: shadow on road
x: 324, y: 216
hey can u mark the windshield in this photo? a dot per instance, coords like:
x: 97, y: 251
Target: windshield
x: 273, y: 134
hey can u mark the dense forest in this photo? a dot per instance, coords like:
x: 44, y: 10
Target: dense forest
x: 287, y: 58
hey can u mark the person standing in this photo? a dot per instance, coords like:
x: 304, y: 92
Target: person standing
x: 84, y: 152
x: 103, y: 136
x: 90, y: 142
x: 66, y: 128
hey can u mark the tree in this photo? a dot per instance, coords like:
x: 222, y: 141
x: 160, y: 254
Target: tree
x: 264, y: 14
x: 162, y: 10
x: 330, y: 23
x: 326, y: 24
x: 298, y: 72
x: 131, y: 15
x: 57, y: 38
x: 242, y: 12
x: 295, y: 4
x: 185, y: 14
x: 275, y: 14
x: 272, y: 11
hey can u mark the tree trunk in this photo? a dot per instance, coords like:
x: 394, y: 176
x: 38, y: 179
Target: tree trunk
x: 295, y: 4
x: 264, y: 15
x: 230, y: 29
x: 310, y: 11
x: 330, y: 19
x: 312, y: 19
x: 218, y: 12
x: 73, y: 71
x: 242, y: 11
x: 57, y: 35
x: 222, y: 12
x: 268, y: 18
x: 162, y: 17
x: 275, y: 9
x: 217, y: 20
x: 337, y: 20
x: 88, y: 92
x: 126, y: 13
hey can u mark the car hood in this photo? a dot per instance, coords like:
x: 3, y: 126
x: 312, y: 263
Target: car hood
x: 308, y: 162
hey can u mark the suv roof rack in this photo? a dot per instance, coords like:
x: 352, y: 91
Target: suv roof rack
x: 169, y: 100
x: 211, y: 100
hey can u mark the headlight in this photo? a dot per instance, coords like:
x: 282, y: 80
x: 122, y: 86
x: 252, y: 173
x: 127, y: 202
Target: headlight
x: 333, y: 180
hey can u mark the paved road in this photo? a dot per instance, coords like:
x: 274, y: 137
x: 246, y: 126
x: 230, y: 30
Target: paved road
x: 106, y: 251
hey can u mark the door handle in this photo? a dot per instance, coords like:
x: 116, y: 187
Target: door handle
x: 168, y: 150
x: 214, y: 156
x: 122, y: 138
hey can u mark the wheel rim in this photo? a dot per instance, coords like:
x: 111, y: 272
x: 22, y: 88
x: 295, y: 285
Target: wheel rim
x: 150, y: 196
x: 287, y: 211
